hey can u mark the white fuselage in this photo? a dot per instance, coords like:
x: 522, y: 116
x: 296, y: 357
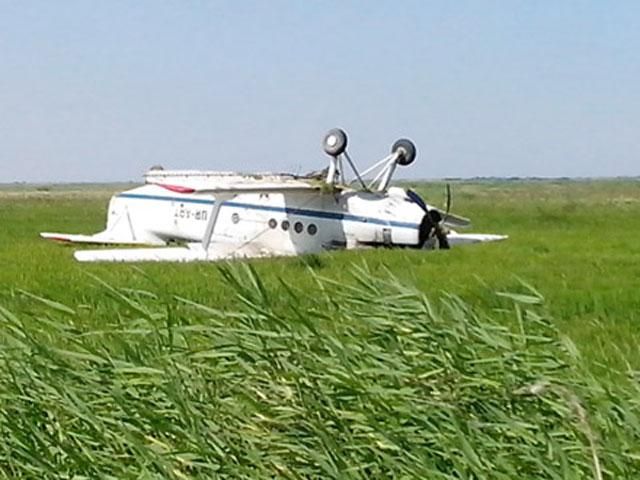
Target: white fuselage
x: 280, y: 222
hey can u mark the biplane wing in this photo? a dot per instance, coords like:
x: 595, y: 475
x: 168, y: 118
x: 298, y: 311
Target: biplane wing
x: 193, y: 252
x: 187, y: 181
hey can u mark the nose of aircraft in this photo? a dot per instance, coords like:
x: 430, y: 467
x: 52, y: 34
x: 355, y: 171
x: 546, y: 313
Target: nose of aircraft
x: 431, y: 224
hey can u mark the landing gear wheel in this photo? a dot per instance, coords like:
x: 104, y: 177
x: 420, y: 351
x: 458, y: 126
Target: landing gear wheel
x: 335, y: 142
x: 407, y: 149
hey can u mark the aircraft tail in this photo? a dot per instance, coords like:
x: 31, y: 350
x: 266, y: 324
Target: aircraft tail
x: 119, y: 231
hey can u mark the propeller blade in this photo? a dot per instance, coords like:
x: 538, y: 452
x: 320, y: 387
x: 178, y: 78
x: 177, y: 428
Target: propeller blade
x: 448, y: 202
x: 433, y: 222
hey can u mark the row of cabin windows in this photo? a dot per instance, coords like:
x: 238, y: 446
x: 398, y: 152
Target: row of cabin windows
x: 298, y: 227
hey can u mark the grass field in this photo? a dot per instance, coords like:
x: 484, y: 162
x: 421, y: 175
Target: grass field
x: 104, y: 364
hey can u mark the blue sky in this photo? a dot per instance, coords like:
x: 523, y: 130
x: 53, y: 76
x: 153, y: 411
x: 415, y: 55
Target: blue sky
x: 101, y: 90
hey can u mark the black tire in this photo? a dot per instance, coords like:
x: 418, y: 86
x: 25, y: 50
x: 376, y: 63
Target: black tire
x: 335, y: 142
x: 407, y: 149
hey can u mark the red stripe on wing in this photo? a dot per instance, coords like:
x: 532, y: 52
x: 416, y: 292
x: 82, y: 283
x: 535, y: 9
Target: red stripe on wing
x: 177, y: 188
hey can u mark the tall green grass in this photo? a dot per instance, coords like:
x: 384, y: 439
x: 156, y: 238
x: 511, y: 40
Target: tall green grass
x: 365, y: 377
x: 575, y: 241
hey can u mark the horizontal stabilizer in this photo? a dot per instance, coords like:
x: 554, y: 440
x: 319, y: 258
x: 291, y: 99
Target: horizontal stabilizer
x: 456, y: 238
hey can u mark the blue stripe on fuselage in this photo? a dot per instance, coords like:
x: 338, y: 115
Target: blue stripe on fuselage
x: 268, y: 208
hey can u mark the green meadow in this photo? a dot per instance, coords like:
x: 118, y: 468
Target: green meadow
x: 515, y: 359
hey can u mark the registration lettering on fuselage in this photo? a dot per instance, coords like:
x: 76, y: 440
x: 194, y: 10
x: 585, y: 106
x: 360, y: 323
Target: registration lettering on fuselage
x: 191, y: 213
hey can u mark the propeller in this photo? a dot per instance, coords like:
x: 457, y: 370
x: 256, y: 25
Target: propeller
x: 448, y: 202
x: 432, y: 224
x: 441, y: 232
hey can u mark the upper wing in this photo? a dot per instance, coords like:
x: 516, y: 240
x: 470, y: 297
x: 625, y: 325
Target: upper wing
x: 191, y: 253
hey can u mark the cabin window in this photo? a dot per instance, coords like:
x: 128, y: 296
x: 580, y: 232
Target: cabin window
x: 273, y: 223
x: 312, y: 229
x: 298, y: 227
x: 235, y: 218
x: 285, y: 225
